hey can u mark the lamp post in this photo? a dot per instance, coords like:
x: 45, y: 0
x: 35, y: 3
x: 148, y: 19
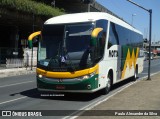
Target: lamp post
x: 150, y: 34
x: 32, y: 42
x: 89, y: 7
x: 132, y: 18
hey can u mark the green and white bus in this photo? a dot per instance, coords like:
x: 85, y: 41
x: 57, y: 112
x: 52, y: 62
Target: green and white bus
x: 87, y: 52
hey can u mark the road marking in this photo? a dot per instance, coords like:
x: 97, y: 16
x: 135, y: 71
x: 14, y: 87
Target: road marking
x: 16, y: 84
x: 93, y: 104
x: 97, y: 102
x: 13, y: 100
x: 143, y: 73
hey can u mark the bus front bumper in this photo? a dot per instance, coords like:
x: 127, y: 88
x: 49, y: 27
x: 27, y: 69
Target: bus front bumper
x: 68, y: 85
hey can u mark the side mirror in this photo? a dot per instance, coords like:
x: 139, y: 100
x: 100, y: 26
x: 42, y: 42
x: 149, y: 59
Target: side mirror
x: 94, y: 36
x: 31, y: 37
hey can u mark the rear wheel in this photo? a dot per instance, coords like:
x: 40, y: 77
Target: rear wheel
x: 135, y: 74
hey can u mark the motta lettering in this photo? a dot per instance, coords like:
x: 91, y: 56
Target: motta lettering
x: 113, y: 53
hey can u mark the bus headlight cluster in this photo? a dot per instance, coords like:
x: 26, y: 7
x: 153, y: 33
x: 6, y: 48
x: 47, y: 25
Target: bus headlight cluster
x: 87, y: 76
x: 40, y: 76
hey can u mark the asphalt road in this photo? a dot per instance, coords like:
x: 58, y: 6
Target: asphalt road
x: 19, y: 93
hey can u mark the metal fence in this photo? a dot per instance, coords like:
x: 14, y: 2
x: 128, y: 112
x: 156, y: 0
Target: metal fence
x: 14, y: 63
x: 14, y: 57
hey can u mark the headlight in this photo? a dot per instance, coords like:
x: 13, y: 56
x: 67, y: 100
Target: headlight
x: 87, y: 76
x: 40, y: 76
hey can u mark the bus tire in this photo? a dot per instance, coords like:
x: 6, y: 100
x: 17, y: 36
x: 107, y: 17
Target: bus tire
x: 108, y: 86
x: 135, y: 73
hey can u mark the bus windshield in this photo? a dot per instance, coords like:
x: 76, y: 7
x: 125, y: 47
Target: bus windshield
x: 65, y: 47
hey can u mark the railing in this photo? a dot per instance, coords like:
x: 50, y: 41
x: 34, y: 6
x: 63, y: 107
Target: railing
x: 6, y: 53
x: 14, y: 57
x: 14, y: 62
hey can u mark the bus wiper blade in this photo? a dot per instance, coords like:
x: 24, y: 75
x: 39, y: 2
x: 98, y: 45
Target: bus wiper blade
x: 72, y: 67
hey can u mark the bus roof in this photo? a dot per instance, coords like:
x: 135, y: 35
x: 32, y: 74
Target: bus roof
x: 88, y: 17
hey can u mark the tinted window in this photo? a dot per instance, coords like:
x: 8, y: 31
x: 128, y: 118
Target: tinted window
x: 78, y: 37
x: 123, y: 36
x: 113, y: 36
x: 102, y: 24
x: 101, y: 39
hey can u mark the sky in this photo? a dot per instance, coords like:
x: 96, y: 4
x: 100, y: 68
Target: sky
x: 136, y: 16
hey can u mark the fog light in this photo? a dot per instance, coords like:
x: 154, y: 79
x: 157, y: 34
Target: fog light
x: 89, y: 86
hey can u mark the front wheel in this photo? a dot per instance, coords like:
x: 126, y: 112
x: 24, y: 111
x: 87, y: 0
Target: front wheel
x: 108, y: 86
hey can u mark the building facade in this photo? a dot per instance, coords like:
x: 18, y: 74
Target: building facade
x: 20, y: 18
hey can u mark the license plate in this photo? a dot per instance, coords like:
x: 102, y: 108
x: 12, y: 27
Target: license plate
x: 60, y: 87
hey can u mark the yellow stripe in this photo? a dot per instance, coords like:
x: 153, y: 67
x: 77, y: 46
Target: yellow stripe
x: 96, y: 31
x: 136, y: 57
x: 68, y: 74
x: 130, y: 61
x: 34, y: 34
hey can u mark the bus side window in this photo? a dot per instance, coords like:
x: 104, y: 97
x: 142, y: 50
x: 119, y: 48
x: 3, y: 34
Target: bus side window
x: 101, y: 39
x: 101, y: 44
x: 113, y: 36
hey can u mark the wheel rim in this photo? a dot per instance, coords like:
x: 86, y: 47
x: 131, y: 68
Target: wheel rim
x: 135, y: 75
x: 108, y: 84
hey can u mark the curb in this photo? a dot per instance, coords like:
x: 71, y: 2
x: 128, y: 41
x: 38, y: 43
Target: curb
x: 15, y: 72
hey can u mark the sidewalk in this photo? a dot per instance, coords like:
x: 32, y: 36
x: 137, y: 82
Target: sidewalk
x: 16, y: 71
x: 143, y: 95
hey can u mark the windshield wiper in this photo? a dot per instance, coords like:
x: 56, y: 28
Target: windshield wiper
x: 72, y: 67
x: 64, y: 57
x: 65, y: 54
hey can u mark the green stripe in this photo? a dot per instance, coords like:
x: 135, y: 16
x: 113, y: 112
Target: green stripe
x: 30, y: 43
x: 124, y: 53
x: 93, y: 41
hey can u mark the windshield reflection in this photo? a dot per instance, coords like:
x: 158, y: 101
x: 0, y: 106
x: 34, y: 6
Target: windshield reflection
x: 65, y: 47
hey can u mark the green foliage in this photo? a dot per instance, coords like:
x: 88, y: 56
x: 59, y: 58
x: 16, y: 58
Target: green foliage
x: 31, y: 7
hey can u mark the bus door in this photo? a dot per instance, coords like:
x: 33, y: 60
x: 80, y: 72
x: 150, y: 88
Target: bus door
x: 119, y: 61
x: 115, y: 50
